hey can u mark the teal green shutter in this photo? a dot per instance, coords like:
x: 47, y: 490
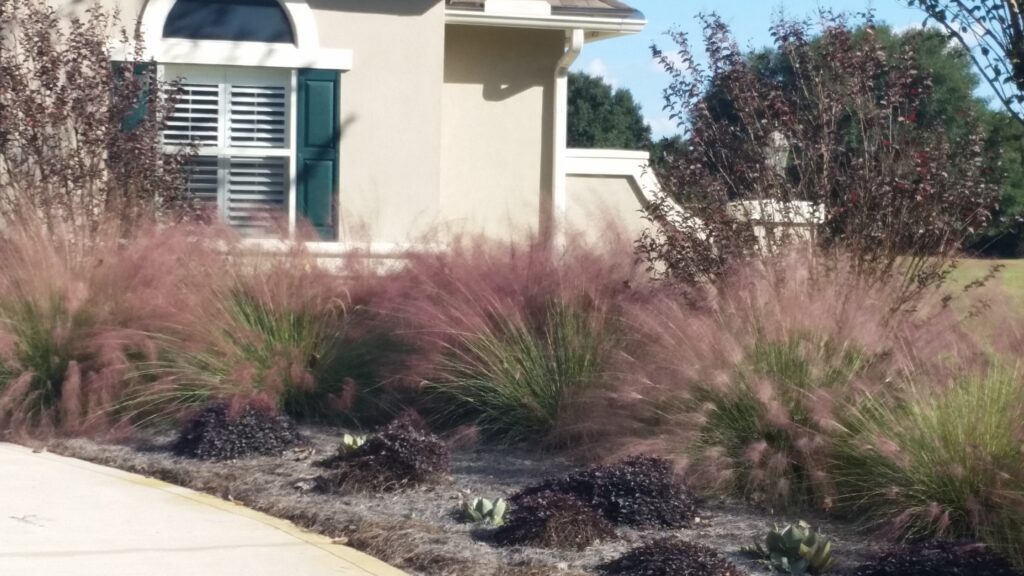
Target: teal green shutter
x: 146, y: 72
x: 319, y: 131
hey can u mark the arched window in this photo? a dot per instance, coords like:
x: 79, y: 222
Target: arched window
x: 233, y: 20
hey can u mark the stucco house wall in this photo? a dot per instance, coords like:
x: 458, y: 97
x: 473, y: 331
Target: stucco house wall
x: 390, y: 171
x: 497, y: 139
x: 596, y: 202
x: 391, y: 112
x: 445, y: 126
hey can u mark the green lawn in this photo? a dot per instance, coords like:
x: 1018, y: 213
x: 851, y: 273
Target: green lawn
x: 1008, y: 282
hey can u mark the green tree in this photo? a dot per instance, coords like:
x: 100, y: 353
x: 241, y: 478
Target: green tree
x: 602, y: 117
x: 1005, y: 142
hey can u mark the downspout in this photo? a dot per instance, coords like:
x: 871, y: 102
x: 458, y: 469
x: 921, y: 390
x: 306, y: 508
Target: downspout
x: 574, y: 40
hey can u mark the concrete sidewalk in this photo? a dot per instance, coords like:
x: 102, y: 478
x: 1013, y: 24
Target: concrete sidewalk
x: 60, y: 516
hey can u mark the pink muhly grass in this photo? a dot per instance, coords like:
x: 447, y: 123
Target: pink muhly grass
x: 747, y: 378
x: 261, y: 327
x: 75, y: 317
x: 509, y: 335
x: 940, y: 460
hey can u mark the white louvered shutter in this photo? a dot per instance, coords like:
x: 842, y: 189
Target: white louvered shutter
x: 203, y: 178
x: 196, y: 116
x: 239, y: 120
x: 257, y: 189
x: 257, y: 116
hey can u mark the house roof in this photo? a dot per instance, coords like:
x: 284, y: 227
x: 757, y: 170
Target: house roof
x: 611, y: 8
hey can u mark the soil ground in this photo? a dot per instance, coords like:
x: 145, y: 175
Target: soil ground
x: 416, y: 530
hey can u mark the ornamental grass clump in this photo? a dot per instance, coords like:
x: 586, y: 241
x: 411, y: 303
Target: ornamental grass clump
x: 400, y: 456
x: 552, y: 520
x: 267, y: 327
x: 671, y: 557
x: 515, y: 381
x: 641, y: 491
x: 515, y: 336
x: 76, y: 319
x: 939, y: 558
x: 743, y: 385
x: 769, y: 422
x: 222, y: 431
x: 940, y: 461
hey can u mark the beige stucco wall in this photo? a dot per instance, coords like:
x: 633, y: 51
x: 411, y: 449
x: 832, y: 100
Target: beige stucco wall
x: 446, y: 126
x: 390, y: 110
x: 496, y: 139
x: 594, y: 203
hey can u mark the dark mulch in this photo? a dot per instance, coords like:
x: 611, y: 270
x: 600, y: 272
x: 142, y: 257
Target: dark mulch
x: 553, y: 520
x: 671, y: 557
x: 402, y: 455
x: 641, y: 491
x: 222, y: 432
x: 941, y: 558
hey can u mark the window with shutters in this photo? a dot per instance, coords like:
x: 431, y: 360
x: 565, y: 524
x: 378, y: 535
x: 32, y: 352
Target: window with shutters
x: 240, y: 120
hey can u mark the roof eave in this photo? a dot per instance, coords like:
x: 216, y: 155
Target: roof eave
x: 598, y: 25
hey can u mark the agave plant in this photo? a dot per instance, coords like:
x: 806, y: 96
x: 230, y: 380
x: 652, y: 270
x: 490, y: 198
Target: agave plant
x: 483, y: 510
x: 350, y: 442
x: 796, y: 549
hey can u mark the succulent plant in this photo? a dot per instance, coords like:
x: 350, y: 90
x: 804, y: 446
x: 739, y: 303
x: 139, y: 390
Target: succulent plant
x: 796, y: 549
x: 483, y: 510
x: 350, y: 442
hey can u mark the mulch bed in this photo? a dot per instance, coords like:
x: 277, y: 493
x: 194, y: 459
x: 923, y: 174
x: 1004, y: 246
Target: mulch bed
x: 415, y: 528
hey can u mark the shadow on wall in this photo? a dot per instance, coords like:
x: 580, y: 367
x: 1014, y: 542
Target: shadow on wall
x: 505, y: 62
x: 383, y: 7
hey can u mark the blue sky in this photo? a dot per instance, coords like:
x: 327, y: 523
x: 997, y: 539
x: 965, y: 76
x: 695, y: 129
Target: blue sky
x: 626, y: 62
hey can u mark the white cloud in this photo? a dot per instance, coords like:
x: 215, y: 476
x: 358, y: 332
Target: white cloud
x: 598, y: 67
x: 662, y: 125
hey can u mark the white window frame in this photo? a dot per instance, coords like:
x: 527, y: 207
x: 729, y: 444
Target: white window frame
x: 307, y: 52
x: 223, y: 77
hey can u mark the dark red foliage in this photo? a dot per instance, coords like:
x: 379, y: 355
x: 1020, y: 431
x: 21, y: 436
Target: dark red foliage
x: 222, y: 432
x: 402, y: 455
x: 81, y: 138
x: 641, y: 491
x: 940, y: 558
x: 552, y: 520
x: 671, y: 557
x: 836, y: 133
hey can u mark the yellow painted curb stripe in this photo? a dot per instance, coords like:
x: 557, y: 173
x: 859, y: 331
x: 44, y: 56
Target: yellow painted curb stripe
x: 364, y: 562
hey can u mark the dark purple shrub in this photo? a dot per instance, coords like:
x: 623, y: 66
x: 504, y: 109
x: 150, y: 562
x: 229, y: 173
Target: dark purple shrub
x: 940, y: 558
x: 81, y: 139
x: 671, y: 557
x: 223, y: 432
x: 552, y: 520
x: 834, y: 152
x: 402, y: 455
x: 641, y: 491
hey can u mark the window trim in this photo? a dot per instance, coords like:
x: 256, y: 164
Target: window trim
x: 306, y: 53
